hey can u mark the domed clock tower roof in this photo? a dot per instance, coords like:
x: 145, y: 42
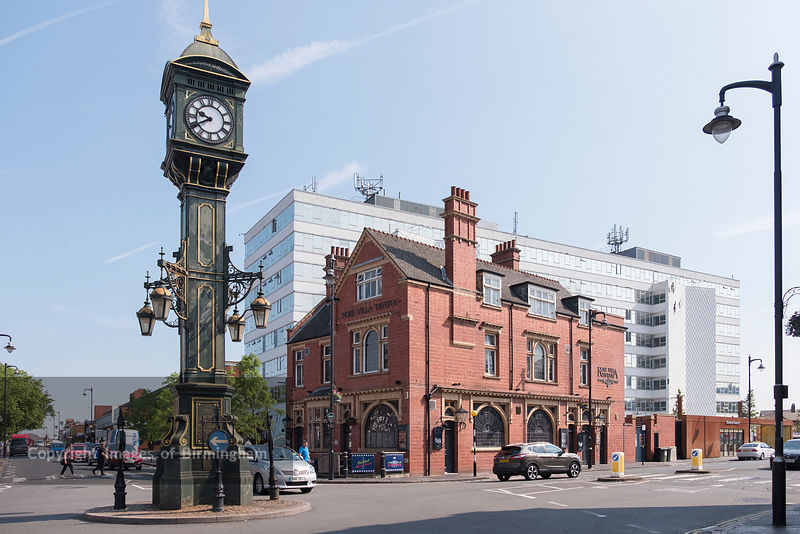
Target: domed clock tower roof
x: 205, y: 44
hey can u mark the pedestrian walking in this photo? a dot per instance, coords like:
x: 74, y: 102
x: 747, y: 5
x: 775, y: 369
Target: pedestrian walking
x: 101, y: 459
x: 303, y: 451
x: 66, y: 461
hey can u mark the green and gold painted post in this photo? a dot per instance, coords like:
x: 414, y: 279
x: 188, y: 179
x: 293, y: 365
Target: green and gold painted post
x: 204, y: 93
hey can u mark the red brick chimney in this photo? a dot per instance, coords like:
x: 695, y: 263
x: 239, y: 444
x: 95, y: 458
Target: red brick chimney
x: 339, y: 257
x: 459, y: 238
x: 507, y: 255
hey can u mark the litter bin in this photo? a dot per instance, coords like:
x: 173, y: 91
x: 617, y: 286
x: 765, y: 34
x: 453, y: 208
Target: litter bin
x: 670, y: 454
x: 659, y: 455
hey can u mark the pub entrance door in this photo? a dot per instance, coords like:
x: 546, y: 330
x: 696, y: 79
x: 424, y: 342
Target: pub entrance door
x: 449, y: 447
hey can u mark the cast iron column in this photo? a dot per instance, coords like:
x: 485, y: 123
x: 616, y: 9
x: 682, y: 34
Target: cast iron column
x: 119, y: 484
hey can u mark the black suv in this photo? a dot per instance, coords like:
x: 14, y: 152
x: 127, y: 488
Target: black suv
x: 535, y: 459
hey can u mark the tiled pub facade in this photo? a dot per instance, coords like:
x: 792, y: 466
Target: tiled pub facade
x: 421, y: 332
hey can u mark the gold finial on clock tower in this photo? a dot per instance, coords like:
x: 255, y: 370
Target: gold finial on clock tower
x: 205, y: 28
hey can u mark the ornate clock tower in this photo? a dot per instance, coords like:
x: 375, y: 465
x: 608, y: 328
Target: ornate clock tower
x: 204, y: 93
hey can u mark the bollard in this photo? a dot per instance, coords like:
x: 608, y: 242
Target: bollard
x: 697, y: 459
x: 617, y: 465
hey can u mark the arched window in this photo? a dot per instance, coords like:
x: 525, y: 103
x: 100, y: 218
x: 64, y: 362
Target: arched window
x: 540, y: 427
x: 371, y: 352
x: 489, y: 428
x: 381, y: 428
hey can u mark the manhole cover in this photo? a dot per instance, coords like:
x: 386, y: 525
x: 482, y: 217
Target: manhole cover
x: 755, y: 500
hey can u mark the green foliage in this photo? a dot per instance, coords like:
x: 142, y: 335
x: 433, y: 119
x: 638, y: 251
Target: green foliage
x: 252, y: 401
x: 793, y: 325
x: 28, y: 402
x: 749, y: 402
x: 149, y: 414
x: 675, y: 406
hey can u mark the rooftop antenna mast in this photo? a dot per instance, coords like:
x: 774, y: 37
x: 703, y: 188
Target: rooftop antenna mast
x: 616, y: 237
x: 368, y: 187
x: 313, y: 186
x: 516, y: 220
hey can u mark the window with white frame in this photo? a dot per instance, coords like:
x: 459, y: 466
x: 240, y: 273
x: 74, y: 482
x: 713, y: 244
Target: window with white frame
x: 551, y: 362
x: 298, y: 368
x: 370, y: 350
x: 368, y: 284
x: 542, y: 301
x: 491, y: 289
x: 584, y: 367
x: 490, y: 354
x: 583, y: 312
x: 326, y: 364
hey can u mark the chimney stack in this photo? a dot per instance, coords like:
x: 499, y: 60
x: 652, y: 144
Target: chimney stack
x: 338, y: 259
x: 460, y: 225
x: 507, y: 255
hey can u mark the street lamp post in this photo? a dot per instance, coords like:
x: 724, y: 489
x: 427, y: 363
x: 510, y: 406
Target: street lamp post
x: 91, y: 403
x: 720, y: 127
x: 591, y: 314
x: 330, y: 281
x: 750, y: 392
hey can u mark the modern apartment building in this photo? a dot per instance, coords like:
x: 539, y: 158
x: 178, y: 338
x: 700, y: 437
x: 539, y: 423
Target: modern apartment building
x: 683, y: 326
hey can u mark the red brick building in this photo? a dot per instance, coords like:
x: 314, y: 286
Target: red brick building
x: 423, y: 335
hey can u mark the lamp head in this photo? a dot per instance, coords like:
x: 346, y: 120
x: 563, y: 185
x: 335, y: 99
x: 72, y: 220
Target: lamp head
x: 721, y: 126
x: 10, y: 347
x: 761, y: 366
x: 146, y: 319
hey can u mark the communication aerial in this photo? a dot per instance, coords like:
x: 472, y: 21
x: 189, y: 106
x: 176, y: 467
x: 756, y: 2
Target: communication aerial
x: 367, y: 186
x: 313, y: 186
x: 616, y: 237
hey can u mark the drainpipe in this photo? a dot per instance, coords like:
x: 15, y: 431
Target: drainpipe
x: 427, y: 470
x: 511, y: 347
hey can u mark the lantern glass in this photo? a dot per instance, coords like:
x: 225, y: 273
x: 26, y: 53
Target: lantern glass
x: 260, y: 308
x: 236, y: 327
x: 162, y: 301
x: 146, y: 319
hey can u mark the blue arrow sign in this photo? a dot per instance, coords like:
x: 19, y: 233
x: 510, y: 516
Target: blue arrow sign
x: 219, y: 441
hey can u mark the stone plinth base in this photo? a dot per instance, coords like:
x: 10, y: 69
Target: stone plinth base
x: 147, y: 514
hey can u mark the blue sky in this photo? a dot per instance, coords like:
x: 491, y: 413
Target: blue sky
x: 578, y: 115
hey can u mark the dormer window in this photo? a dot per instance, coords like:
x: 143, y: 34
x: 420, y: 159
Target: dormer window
x: 369, y: 284
x: 491, y: 289
x: 542, y: 301
x: 583, y: 311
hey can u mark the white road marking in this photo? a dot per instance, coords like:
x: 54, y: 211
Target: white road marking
x: 651, y: 475
x: 141, y: 488
x: 557, y: 503
x: 681, y: 490
x: 733, y: 479
x: 4, y: 487
x: 642, y: 528
x: 765, y: 482
x: 592, y: 513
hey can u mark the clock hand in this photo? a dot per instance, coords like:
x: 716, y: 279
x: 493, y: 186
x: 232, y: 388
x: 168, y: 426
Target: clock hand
x: 198, y: 123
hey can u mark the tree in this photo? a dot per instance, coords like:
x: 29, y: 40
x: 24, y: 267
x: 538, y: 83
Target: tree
x: 28, y: 402
x: 675, y: 406
x: 252, y: 401
x: 749, y: 405
x: 150, y: 413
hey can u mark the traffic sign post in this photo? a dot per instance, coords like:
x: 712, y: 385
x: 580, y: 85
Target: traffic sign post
x: 219, y: 441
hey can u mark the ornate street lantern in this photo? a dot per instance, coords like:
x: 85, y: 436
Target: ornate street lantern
x: 260, y: 307
x: 461, y: 417
x: 146, y: 319
x: 236, y: 326
x: 162, y: 301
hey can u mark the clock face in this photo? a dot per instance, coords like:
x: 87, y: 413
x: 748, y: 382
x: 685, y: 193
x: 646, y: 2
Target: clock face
x: 209, y: 119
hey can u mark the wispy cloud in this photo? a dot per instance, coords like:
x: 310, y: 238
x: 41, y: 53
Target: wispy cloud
x: 336, y: 177
x: 175, y: 16
x: 80, y: 314
x: 130, y: 253
x: 53, y: 21
x: 239, y: 207
x: 283, y: 65
x: 760, y: 224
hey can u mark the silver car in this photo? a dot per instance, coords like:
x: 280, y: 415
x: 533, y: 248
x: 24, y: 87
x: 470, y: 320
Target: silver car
x: 756, y: 450
x: 291, y: 471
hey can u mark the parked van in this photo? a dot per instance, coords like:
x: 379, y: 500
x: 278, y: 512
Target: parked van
x: 131, y: 457
x: 19, y: 444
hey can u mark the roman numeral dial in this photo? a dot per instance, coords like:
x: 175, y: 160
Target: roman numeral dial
x: 209, y: 119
